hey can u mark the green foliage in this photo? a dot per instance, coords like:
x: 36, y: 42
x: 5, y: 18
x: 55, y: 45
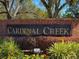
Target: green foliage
x: 68, y: 15
x: 64, y: 51
x: 22, y: 10
x: 9, y: 50
x: 72, y: 2
x: 31, y: 13
x: 37, y: 56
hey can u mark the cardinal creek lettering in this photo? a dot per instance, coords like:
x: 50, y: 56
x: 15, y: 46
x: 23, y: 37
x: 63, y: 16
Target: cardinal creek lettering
x: 35, y: 30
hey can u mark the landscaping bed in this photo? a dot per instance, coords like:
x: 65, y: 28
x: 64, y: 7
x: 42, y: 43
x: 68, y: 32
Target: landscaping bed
x: 62, y: 50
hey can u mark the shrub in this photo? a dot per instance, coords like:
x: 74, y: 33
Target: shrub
x: 10, y: 50
x: 69, y: 50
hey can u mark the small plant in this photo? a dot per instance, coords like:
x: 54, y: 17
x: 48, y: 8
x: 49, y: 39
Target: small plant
x: 34, y: 56
x: 10, y: 50
x: 69, y: 50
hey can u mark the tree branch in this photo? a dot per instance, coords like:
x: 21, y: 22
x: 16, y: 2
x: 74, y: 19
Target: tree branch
x: 62, y: 6
x: 8, y: 14
x: 44, y: 3
x: 58, y: 3
x: 11, y: 5
x: 27, y: 12
x: 57, y: 10
x: 3, y: 12
x: 50, y: 3
x: 2, y: 2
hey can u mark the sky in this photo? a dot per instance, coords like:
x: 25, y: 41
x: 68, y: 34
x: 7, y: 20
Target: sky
x: 39, y: 4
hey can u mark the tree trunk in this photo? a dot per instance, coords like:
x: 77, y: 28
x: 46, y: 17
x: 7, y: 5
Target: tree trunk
x: 9, y: 17
x: 55, y: 14
x: 49, y: 11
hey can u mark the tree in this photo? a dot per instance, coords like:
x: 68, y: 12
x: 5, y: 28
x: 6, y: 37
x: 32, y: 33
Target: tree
x: 8, y: 5
x: 5, y: 5
x: 20, y: 9
x: 53, y: 7
x: 73, y: 10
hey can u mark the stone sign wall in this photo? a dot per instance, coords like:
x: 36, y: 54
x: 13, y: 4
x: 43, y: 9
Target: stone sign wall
x: 40, y: 32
